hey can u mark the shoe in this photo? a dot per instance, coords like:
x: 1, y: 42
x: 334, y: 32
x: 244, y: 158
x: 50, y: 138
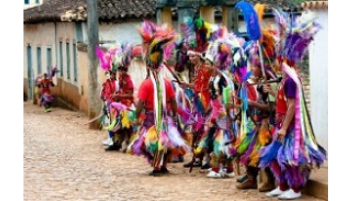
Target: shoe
x: 155, y: 173
x: 164, y: 170
x: 248, y: 184
x: 195, y: 164
x: 275, y: 192
x: 228, y: 174
x: 181, y: 159
x: 242, y: 178
x: 290, y: 195
x: 267, y: 186
x: 113, y: 147
x: 213, y: 174
x: 206, y: 166
x: 108, y: 142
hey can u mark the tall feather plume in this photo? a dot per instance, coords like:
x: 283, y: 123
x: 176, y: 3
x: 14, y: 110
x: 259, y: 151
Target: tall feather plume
x: 104, y: 58
x: 197, y: 33
x: 221, y: 49
x: 154, y: 41
x: 267, y: 39
x: 251, y: 19
x: 297, y: 39
x: 123, y: 55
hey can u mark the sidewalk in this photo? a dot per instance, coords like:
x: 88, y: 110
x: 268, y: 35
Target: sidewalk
x: 317, y: 185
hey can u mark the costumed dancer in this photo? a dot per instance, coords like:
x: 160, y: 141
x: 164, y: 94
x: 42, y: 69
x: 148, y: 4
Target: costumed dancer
x: 294, y: 150
x: 45, y: 84
x: 158, y: 134
x: 256, y: 130
x: 109, y: 87
x: 121, y: 125
x: 218, y: 137
x: 197, y: 34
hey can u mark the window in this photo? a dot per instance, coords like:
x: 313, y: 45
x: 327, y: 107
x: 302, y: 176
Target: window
x: 74, y: 62
x: 37, y: 1
x: 26, y: 2
x: 49, y: 62
x: 61, y: 58
x: 68, y: 60
x: 29, y: 71
x: 39, y: 60
x: 79, y: 32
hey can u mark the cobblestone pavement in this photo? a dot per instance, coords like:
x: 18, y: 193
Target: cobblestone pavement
x: 64, y: 160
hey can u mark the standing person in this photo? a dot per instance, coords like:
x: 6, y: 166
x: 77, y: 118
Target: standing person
x: 219, y: 133
x: 109, y: 87
x: 294, y: 150
x: 259, y: 134
x: 46, y: 96
x: 158, y: 134
x: 123, y: 95
x: 220, y: 137
x: 197, y: 36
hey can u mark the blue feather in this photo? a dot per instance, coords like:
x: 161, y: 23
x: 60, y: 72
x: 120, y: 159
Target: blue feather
x: 269, y: 153
x: 251, y: 19
x: 189, y: 93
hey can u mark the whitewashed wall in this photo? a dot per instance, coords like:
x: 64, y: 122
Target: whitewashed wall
x: 318, y: 62
x: 120, y: 32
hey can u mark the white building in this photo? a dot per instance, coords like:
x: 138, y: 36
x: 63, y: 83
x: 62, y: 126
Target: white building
x: 318, y: 67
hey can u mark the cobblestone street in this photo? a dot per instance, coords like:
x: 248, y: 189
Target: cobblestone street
x: 64, y: 160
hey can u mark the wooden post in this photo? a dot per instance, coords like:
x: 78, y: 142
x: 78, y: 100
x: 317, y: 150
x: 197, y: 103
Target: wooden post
x: 235, y: 22
x: 93, y: 40
x: 167, y: 17
x: 225, y: 17
x: 207, y: 13
x: 164, y: 16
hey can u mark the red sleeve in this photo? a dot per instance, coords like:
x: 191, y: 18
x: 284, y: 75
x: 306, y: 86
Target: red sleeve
x: 129, y: 84
x: 252, y: 93
x: 170, y: 93
x: 143, y: 91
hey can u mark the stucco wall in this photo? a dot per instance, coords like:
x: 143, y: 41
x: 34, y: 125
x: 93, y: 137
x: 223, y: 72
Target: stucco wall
x: 49, y: 35
x: 120, y: 32
x: 318, y: 62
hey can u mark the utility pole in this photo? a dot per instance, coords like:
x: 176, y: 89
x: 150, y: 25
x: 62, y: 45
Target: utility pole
x: 93, y: 40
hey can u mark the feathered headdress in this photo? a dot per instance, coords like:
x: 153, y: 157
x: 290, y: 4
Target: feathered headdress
x: 197, y: 34
x: 155, y: 39
x: 105, y: 58
x: 251, y: 19
x: 297, y: 40
x: 123, y: 56
x: 221, y: 48
x: 267, y: 39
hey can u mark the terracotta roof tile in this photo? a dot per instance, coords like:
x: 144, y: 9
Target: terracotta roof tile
x: 76, y: 10
x: 315, y: 4
x: 113, y: 10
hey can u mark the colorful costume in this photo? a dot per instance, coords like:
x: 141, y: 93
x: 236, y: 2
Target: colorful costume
x: 197, y: 33
x: 292, y: 159
x: 219, y: 138
x: 45, y: 84
x: 158, y: 134
x: 121, y: 126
